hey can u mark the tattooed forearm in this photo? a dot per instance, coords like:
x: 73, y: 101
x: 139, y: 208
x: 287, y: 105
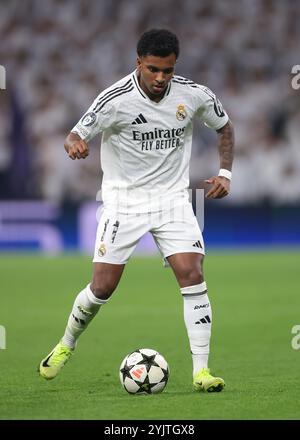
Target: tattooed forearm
x: 226, y: 145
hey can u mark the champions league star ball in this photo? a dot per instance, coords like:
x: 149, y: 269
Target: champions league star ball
x: 144, y: 371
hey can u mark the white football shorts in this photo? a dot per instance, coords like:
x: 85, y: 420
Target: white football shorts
x: 175, y: 231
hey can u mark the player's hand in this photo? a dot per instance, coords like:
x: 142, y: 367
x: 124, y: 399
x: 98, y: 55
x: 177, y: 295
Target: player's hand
x: 220, y: 188
x: 78, y: 150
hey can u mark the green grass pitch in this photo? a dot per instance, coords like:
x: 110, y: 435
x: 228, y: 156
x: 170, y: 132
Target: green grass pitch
x: 255, y: 300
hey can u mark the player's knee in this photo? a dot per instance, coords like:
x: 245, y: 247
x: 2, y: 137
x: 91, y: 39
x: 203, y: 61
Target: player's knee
x: 102, y: 289
x: 191, y: 276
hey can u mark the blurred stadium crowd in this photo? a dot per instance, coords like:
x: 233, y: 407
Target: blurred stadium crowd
x: 59, y: 54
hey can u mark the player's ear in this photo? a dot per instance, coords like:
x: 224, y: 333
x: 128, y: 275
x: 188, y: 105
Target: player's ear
x: 138, y: 64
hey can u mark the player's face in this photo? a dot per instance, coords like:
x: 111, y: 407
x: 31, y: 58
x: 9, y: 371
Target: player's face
x: 155, y: 74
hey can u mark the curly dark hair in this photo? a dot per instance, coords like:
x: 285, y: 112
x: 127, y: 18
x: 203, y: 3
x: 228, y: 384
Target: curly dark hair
x: 158, y: 42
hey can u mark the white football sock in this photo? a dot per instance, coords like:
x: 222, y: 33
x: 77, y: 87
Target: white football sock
x: 197, y: 318
x: 85, y: 307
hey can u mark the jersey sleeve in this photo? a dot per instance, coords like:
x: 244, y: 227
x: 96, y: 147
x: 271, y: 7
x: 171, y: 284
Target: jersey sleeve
x: 96, y: 119
x: 210, y: 109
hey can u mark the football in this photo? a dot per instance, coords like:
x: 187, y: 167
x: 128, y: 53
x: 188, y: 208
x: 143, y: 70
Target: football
x: 144, y: 371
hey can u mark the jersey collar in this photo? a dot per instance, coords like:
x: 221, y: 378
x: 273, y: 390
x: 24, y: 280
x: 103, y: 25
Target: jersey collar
x: 143, y: 94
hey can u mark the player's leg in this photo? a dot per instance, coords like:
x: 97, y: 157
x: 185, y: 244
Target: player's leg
x: 180, y: 241
x: 106, y: 277
x: 117, y: 236
x: 188, y: 269
x: 86, y: 305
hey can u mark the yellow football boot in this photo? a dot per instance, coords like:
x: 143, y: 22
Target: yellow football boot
x: 53, y: 363
x: 204, y: 381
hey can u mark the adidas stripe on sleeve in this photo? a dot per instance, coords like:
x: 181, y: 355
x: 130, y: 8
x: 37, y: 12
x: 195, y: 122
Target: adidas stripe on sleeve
x: 210, y: 110
x: 102, y: 113
x: 209, y: 107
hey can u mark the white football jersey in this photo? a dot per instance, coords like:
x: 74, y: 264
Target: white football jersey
x: 146, y: 145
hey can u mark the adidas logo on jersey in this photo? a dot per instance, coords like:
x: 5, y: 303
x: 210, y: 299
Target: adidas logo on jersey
x: 140, y: 120
x: 197, y: 244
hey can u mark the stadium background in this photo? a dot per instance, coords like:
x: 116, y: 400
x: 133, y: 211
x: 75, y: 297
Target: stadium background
x: 59, y: 55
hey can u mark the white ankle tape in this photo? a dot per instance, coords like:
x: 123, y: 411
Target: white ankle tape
x: 198, y: 289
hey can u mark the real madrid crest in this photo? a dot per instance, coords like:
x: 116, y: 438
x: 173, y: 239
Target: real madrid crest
x: 102, y: 250
x: 181, y: 112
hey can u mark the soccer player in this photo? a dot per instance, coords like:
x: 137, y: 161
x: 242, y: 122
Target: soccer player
x: 146, y: 120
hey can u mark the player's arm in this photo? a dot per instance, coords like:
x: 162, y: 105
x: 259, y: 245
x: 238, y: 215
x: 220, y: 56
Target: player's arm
x: 76, y: 147
x: 220, y: 184
x: 94, y: 121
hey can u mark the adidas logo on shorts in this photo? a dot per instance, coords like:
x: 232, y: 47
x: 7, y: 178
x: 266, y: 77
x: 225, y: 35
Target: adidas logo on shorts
x: 197, y: 244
